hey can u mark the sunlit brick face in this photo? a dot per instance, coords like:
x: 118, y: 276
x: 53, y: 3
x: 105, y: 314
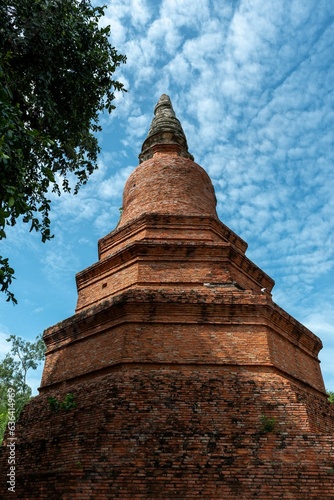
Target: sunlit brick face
x: 168, y: 184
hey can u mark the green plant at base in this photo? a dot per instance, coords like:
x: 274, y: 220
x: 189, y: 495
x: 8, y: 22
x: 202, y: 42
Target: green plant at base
x: 53, y: 403
x: 67, y: 404
x: 268, y: 424
x: 330, y: 395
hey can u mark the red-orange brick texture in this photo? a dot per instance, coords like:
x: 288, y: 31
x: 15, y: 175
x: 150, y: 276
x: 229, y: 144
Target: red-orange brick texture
x: 178, y: 432
x: 189, y: 381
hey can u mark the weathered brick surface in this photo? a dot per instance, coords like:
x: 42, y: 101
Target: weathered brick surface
x: 168, y: 184
x: 220, y: 326
x: 170, y: 227
x: 179, y: 432
x: 179, y: 250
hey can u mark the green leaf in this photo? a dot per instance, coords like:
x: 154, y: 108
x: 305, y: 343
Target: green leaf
x: 11, y: 201
x: 48, y: 172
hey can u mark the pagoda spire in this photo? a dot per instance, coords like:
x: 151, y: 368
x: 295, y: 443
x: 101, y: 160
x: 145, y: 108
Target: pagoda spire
x: 165, y: 131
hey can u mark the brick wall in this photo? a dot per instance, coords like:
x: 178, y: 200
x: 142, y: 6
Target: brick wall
x: 178, y: 432
x: 134, y: 257
x: 168, y: 184
x: 228, y: 326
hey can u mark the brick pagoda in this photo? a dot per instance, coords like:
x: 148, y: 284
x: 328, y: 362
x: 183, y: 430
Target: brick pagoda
x: 188, y: 381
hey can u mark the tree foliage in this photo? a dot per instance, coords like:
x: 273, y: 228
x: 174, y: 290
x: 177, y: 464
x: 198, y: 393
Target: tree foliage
x: 23, y: 356
x: 56, y: 77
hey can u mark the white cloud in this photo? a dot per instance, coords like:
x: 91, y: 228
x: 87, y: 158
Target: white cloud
x: 60, y: 261
x: 188, y: 13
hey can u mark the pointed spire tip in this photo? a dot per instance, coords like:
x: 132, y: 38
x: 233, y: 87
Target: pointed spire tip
x: 165, y: 129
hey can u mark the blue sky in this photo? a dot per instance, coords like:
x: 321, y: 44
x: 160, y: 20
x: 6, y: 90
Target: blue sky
x: 252, y: 83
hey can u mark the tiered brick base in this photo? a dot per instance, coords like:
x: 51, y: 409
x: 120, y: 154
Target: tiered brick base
x: 189, y: 381
x: 183, y: 432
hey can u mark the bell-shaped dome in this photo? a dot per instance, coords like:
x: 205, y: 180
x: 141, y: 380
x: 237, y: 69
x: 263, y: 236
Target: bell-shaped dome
x: 167, y: 181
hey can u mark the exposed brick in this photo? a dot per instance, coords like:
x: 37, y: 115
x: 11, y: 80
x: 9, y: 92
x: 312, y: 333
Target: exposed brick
x: 178, y: 432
